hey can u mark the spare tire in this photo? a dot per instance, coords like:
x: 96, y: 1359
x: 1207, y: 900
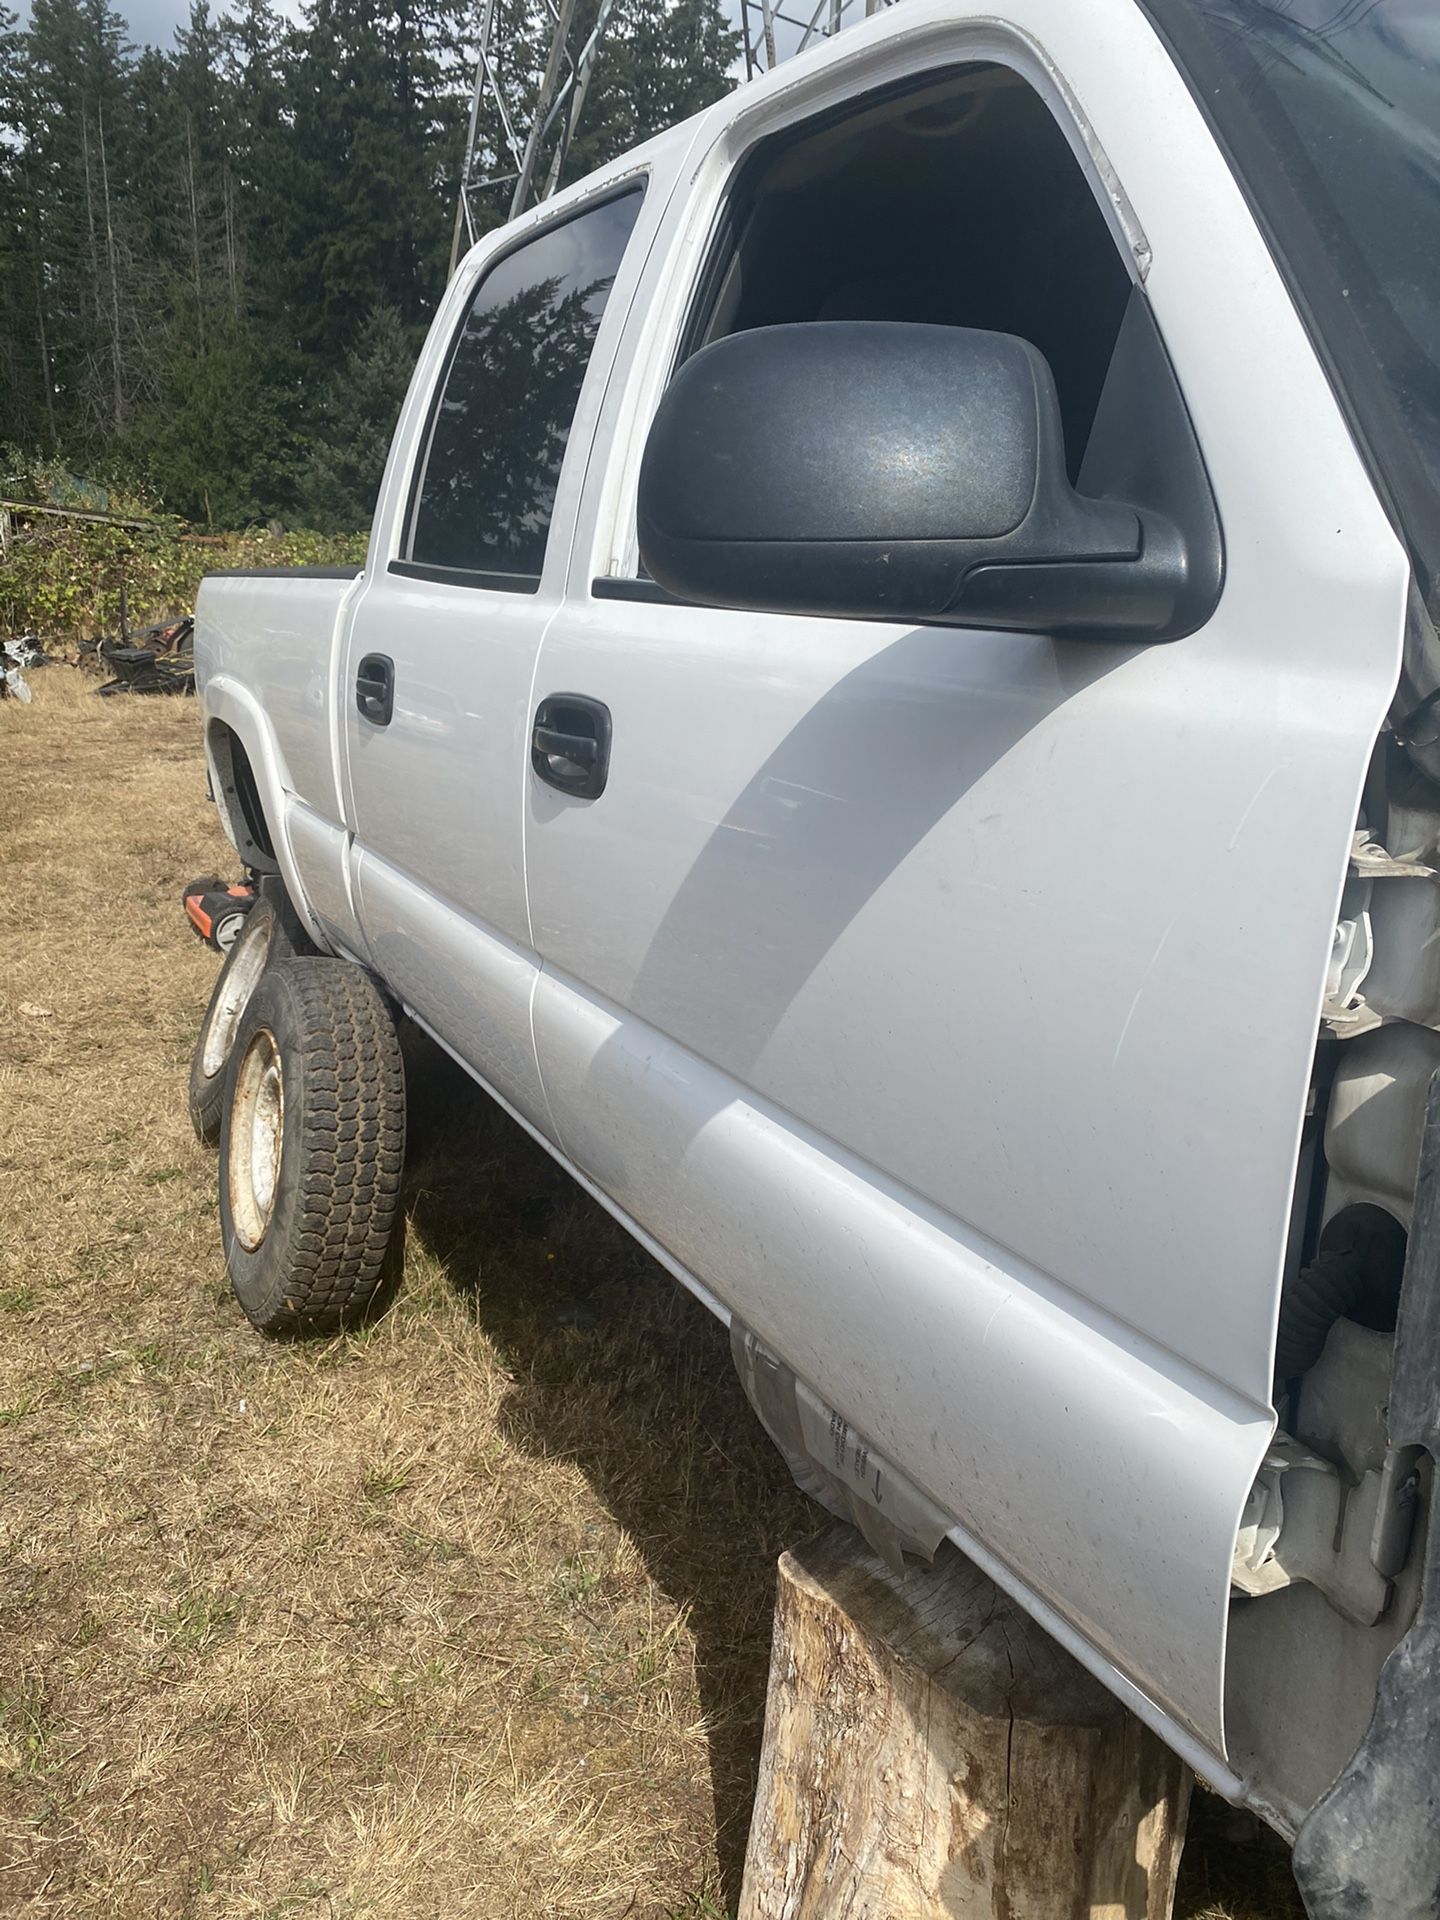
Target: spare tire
x: 265, y: 938
x: 312, y: 1149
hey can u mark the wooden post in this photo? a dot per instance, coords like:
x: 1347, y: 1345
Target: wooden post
x: 931, y: 1754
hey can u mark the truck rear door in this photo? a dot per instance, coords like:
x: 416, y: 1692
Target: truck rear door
x: 466, y: 566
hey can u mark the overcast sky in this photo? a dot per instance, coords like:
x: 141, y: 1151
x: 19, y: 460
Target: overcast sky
x: 152, y: 22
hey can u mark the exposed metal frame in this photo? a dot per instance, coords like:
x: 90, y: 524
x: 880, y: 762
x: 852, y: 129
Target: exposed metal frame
x: 559, y: 102
x: 759, y: 19
x: 566, y: 81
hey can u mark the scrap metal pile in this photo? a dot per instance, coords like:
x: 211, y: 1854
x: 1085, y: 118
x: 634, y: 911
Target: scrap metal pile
x: 16, y: 655
x: 154, y: 660
x: 157, y: 659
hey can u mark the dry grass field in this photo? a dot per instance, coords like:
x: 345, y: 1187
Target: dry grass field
x: 463, y: 1616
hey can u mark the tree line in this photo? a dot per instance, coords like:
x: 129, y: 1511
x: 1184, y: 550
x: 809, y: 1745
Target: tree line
x: 217, y: 261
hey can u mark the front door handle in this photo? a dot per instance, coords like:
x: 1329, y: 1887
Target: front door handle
x: 570, y: 744
x: 375, y: 688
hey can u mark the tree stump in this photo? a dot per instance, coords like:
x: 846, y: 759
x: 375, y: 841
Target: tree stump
x: 932, y: 1754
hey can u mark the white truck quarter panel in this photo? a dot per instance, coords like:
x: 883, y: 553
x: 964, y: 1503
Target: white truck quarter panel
x: 306, y: 869
x: 275, y: 635
x: 1033, y: 934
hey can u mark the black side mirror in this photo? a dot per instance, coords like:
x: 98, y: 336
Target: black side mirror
x: 886, y: 471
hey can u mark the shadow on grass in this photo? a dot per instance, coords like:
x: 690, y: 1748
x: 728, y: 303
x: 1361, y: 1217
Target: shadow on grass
x: 619, y: 1369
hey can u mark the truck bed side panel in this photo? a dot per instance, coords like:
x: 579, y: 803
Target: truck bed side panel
x: 275, y: 633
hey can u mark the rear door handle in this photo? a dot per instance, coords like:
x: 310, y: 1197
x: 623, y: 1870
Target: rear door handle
x: 375, y: 688
x: 570, y: 744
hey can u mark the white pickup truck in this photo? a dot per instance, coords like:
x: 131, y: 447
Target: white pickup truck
x: 892, y: 719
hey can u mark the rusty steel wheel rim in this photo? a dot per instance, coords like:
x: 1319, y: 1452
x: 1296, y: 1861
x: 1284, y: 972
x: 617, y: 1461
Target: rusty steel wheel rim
x: 257, y: 1134
x: 238, y: 987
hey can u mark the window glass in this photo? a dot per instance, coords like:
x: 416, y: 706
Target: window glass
x: 489, y: 473
x: 1346, y: 98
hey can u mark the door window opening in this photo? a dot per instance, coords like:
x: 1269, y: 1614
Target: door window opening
x: 957, y: 202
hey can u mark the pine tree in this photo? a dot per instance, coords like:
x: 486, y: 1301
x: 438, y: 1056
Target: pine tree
x: 224, y: 446
x: 23, y: 386
x: 217, y: 261
x: 658, y: 64
x: 79, y: 149
x: 373, y: 107
x: 253, y: 57
x: 201, y: 167
x: 186, y: 185
x: 355, y: 422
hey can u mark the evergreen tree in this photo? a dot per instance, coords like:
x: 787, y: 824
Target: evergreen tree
x: 217, y: 261
x: 355, y: 422
x: 253, y: 56
x: 80, y: 153
x: 200, y: 165
x: 658, y: 64
x: 373, y: 111
x: 22, y: 380
x: 223, y: 445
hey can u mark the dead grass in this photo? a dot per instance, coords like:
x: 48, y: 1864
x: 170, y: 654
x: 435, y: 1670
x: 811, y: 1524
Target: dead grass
x: 466, y: 1615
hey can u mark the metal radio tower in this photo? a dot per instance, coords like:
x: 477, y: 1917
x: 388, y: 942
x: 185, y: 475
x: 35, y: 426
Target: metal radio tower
x: 768, y: 32
x: 765, y: 47
x: 557, y: 109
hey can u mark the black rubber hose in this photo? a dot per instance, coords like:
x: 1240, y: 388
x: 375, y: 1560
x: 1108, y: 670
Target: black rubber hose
x: 1356, y: 1276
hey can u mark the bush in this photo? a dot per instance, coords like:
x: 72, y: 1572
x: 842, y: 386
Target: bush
x: 61, y: 579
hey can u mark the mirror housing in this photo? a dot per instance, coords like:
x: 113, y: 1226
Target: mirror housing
x: 887, y: 471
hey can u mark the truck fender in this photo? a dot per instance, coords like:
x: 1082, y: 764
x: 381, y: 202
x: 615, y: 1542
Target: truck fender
x: 235, y: 719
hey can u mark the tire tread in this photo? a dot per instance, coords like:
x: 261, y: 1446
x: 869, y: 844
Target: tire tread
x: 352, y: 1150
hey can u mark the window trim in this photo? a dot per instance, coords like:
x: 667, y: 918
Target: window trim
x: 465, y: 577
x: 495, y: 580
x: 622, y: 586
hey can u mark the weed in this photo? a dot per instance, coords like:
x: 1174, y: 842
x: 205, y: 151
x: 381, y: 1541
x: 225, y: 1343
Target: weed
x: 24, y: 1724
x: 196, y: 1620
x: 384, y: 1480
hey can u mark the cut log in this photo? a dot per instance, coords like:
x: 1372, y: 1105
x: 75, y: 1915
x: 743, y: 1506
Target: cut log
x: 931, y: 1754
